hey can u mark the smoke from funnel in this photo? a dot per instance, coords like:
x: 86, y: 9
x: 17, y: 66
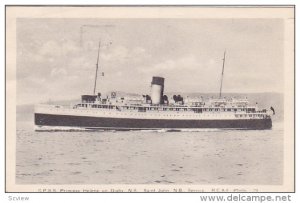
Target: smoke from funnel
x: 157, y: 90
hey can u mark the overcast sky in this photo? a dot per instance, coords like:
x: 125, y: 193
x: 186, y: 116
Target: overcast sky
x: 56, y: 57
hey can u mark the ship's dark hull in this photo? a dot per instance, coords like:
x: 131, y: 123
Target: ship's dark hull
x: 129, y: 123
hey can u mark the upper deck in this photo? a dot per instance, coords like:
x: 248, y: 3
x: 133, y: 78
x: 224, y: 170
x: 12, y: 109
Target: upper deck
x: 232, y: 106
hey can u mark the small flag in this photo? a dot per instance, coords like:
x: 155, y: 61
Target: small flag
x: 272, y: 109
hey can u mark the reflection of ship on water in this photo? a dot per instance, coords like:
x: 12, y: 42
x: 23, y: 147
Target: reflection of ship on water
x: 154, y: 111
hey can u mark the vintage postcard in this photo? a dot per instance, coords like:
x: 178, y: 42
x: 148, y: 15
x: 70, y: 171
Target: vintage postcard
x: 150, y: 99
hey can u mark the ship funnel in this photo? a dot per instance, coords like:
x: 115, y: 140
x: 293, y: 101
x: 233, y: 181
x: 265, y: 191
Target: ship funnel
x: 157, y: 90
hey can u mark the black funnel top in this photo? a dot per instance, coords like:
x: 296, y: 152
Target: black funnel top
x: 158, y: 81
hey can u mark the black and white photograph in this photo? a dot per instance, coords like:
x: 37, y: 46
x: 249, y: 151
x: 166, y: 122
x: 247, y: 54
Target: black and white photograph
x: 150, y: 99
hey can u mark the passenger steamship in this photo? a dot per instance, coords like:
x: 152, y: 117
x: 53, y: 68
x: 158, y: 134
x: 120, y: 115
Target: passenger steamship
x: 154, y: 111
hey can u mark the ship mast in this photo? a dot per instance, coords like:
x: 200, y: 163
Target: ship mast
x: 220, y: 95
x: 97, y: 67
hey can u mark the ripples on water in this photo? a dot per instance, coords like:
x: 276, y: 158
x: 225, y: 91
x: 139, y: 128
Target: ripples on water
x: 150, y: 157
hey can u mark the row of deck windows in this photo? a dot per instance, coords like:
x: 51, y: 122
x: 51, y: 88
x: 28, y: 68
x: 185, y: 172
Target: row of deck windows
x: 207, y: 115
x: 250, y: 115
x: 143, y: 109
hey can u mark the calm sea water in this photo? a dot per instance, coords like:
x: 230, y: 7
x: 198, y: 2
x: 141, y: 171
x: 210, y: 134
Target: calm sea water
x: 149, y: 157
